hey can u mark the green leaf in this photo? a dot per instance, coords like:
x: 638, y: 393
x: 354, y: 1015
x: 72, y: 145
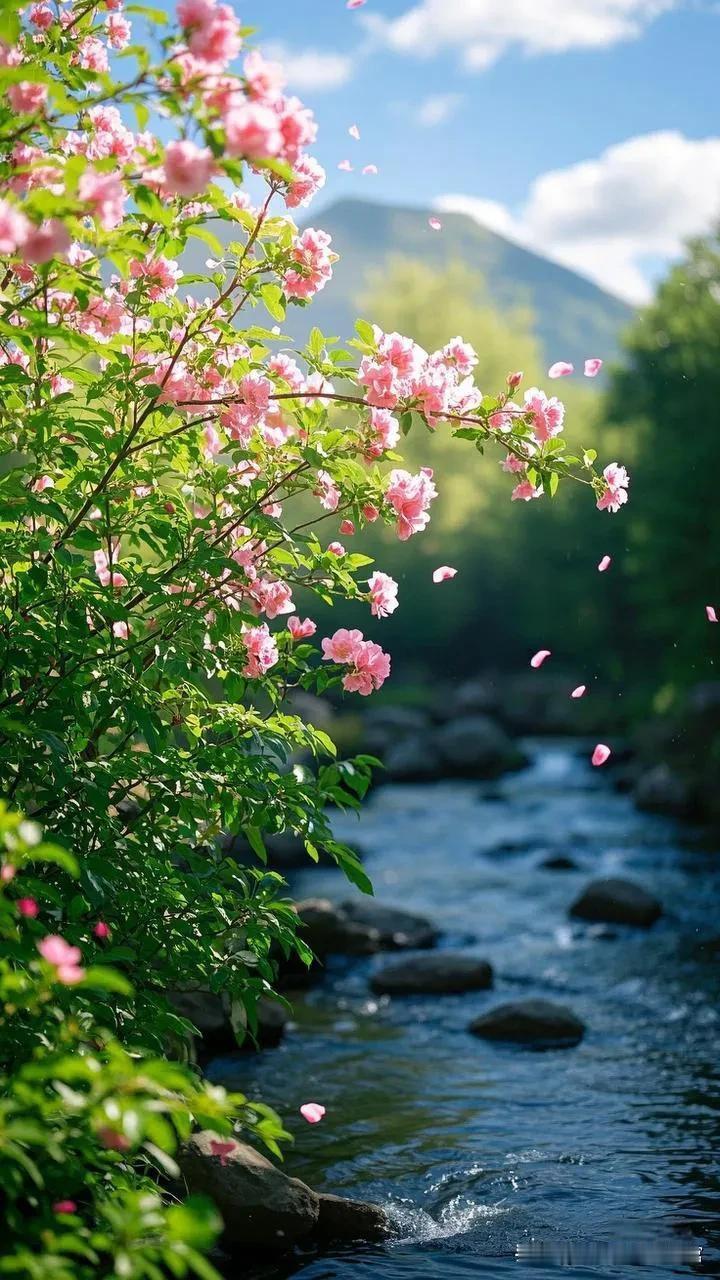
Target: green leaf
x: 102, y: 979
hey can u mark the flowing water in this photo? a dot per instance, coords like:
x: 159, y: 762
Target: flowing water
x: 600, y: 1160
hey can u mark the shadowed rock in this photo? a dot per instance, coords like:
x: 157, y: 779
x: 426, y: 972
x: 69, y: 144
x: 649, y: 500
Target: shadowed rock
x: 397, y: 929
x: 343, y: 1221
x: 476, y: 747
x: 559, y: 862
x: 661, y: 790
x: 616, y: 901
x: 530, y: 1022
x: 330, y: 930
x: 444, y: 973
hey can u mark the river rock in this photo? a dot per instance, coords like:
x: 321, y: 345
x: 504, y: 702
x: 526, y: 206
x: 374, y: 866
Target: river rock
x: 412, y: 758
x: 342, y: 1221
x: 476, y: 747
x: 559, y: 862
x: 221, y: 1023
x: 617, y: 901
x: 386, y: 726
x: 330, y: 930
x: 444, y: 973
x: 398, y: 930
x: 531, y: 1022
x: 661, y: 790
x: 259, y: 1205
x: 477, y: 695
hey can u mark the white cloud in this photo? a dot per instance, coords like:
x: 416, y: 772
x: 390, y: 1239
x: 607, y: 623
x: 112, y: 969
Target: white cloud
x: 438, y: 108
x: 483, y: 30
x: 639, y: 200
x: 316, y: 69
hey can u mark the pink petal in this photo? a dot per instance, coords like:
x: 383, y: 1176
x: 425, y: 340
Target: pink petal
x: 435, y: 223
x: 354, y: 4
x: 346, y: 166
x: 604, y: 564
x: 539, y: 657
x: 600, y: 754
x: 711, y: 614
x: 354, y: 132
x: 593, y: 367
x: 313, y: 1112
x: 443, y: 573
x: 561, y: 369
x: 579, y: 691
x: 370, y: 168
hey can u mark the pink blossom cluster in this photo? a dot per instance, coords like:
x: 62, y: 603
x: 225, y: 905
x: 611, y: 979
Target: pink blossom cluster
x: 410, y: 497
x: 261, y: 651
x: 64, y: 958
x: 312, y: 267
x: 383, y: 594
x: 160, y: 276
x: 400, y: 372
x: 370, y: 665
x: 108, y: 576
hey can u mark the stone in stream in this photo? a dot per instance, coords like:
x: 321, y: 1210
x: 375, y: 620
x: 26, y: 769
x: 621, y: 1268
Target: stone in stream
x: 616, y: 901
x: 218, y: 1019
x: 398, y: 930
x: 559, y: 862
x: 330, y: 930
x: 262, y: 1208
x: 444, y: 973
x: 476, y: 747
x: 530, y: 1022
x: 661, y: 790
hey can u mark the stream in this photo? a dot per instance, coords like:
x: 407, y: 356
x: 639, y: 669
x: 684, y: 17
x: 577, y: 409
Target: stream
x: 600, y: 1160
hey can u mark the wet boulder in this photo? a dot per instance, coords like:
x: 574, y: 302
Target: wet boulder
x: 259, y: 1205
x: 662, y: 790
x: 398, y: 930
x: 475, y: 746
x: 330, y: 930
x: 342, y: 1221
x: 442, y: 973
x: 384, y: 727
x: 221, y: 1023
x: 538, y: 1023
x: 613, y: 900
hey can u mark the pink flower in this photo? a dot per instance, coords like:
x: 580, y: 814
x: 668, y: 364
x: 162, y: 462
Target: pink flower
x: 539, y: 657
x: 188, y: 168
x: 347, y: 527
x: 101, y: 930
x: 41, y: 16
x: 64, y: 1206
x: 336, y: 548
x: 161, y: 275
x: 215, y: 38
x: 301, y: 629
x: 514, y: 380
x: 263, y: 79
x: 106, y: 196
x: 308, y: 178
x: 253, y: 130
x: 601, y: 754
x: 546, y: 414
x: 64, y: 958
x: 311, y: 253
x: 274, y: 598
x: 327, y: 491
x: 371, y: 669
x: 107, y: 576
x: 222, y: 1150
x: 710, y: 612
x: 383, y: 594
x: 443, y: 573
x: 42, y: 483
x: 579, y: 691
x: 120, y: 629
x: 119, y: 30
x: 343, y: 646
x: 410, y: 496
x: 561, y: 369
x: 261, y: 651
x: 593, y: 367
x: 27, y: 907
x: 615, y: 495
x: 59, y: 385
x: 370, y: 512
x: 113, y: 1140
x: 92, y: 55
x: 604, y: 564
x: 211, y: 441
x: 47, y: 241
x: 27, y: 97
x: 14, y: 228
x: 525, y: 491
x: 435, y: 224
x: 7, y: 873
x: 313, y: 1112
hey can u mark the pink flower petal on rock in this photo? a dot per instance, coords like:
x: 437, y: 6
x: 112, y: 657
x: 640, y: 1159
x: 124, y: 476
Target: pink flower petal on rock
x: 604, y: 564
x: 601, y: 754
x: 346, y: 166
x: 539, y: 657
x: 354, y: 132
x: 435, y: 224
x: 313, y: 1112
x: 593, y: 367
x: 443, y: 573
x: 561, y: 369
x: 370, y: 168
x: 711, y: 614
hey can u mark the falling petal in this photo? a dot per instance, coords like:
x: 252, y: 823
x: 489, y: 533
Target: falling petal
x: 604, y: 564
x: 561, y: 369
x: 579, y: 691
x: 600, y: 754
x: 711, y: 614
x: 370, y: 168
x: 539, y: 657
x: 443, y: 573
x: 354, y: 4
x: 346, y: 166
x: 593, y: 367
x: 354, y: 132
x: 313, y: 1112
x: 435, y: 223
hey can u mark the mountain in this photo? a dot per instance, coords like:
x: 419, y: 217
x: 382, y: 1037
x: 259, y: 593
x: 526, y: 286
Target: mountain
x: 574, y: 318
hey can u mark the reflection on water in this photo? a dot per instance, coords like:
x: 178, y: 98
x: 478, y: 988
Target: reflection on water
x: 601, y: 1159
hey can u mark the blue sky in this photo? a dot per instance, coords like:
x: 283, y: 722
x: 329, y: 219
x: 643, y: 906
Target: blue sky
x: 587, y: 129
